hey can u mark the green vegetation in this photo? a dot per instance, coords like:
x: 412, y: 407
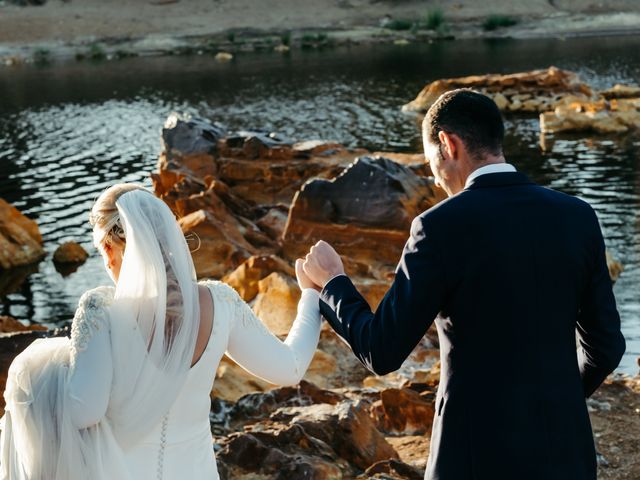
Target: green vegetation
x: 314, y: 40
x: 399, y: 24
x: 285, y: 38
x: 119, y: 54
x: 231, y: 36
x: 493, y: 22
x: 96, y: 52
x: 41, y: 56
x: 434, y: 20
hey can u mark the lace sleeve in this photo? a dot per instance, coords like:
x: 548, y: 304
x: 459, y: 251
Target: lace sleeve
x: 90, y: 358
x: 90, y: 317
x: 261, y: 353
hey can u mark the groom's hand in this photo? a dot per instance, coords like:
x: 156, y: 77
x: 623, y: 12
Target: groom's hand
x: 322, y: 263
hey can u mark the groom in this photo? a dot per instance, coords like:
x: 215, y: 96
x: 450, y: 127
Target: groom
x: 512, y: 273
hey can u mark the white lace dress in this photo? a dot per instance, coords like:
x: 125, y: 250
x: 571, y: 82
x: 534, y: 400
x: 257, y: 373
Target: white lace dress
x: 181, y: 446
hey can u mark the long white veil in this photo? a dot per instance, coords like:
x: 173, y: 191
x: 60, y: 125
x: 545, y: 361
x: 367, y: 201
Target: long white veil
x: 155, y: 316
x: 153, y: 321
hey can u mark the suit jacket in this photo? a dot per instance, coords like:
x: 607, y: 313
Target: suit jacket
x: 511, y: 272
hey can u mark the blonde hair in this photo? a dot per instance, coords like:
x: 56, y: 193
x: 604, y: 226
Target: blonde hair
x: 105, y: 218
x: 108, y: 231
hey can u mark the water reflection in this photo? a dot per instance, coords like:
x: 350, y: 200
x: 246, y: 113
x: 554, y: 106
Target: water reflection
x: 69, y: 131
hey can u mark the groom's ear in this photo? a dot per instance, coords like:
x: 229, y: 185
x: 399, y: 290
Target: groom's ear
x: 449, y: 143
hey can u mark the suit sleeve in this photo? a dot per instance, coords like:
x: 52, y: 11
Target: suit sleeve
x: 384, y: 339
x: 600, y: 341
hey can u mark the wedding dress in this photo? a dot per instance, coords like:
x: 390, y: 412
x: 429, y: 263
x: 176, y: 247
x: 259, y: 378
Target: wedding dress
x: 119, y: 399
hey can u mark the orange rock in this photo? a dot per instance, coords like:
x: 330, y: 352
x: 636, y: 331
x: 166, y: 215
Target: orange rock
x: 403, y: 411
x: 246, y: 277
x: 514, y: 92
x: 70, y: 252
x: 221, y: 246
x: 20, y: 238
x: 233, y: 382
x: 10, y: 324
x: 346, y: 427
x: 277, y: 302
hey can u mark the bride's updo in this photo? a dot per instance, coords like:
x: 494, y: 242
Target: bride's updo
x: 105, y: 218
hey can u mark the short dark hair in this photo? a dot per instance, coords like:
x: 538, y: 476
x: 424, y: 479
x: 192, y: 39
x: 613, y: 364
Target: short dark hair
x: 470, y: 115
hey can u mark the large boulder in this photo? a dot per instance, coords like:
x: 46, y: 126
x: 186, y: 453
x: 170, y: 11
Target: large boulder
x: 365, y: 212
x: 20, y: 238
x: 346, y: 427
x: 534, y: 91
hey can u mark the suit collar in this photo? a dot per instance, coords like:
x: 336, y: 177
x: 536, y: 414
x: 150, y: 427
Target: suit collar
x: 502, y: 179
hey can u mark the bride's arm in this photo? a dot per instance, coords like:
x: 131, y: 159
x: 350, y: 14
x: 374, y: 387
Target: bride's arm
x: 261, y: 353
x: 91, y: 363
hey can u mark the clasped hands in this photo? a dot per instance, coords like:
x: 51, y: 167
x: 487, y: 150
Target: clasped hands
x: 321, y: 264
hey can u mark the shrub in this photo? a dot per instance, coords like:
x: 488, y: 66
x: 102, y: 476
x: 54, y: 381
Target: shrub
x: 494, y: 22
x: 434, y: 20
x: 399, y: 24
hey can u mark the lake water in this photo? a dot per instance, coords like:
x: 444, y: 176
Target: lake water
x: 67, y: 131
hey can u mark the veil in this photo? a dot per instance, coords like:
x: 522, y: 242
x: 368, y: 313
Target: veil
x: 155, y: 316
x: 153, y: 320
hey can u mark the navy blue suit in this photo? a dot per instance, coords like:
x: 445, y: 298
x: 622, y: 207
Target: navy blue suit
x: 510, y: 272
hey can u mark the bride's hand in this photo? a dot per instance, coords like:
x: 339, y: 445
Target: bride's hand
x: 303, y: 279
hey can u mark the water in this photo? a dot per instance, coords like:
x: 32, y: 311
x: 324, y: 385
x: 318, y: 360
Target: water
x: 68, y: 131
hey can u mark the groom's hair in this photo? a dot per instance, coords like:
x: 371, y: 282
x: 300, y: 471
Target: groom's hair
x: 470, y: 115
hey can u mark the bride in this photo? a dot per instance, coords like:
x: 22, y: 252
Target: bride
x: 127, y: 396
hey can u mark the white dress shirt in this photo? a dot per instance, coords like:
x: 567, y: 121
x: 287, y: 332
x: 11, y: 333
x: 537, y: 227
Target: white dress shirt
x: 493, y: 168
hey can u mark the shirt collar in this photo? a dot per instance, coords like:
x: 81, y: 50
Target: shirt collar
x: 493, y: 168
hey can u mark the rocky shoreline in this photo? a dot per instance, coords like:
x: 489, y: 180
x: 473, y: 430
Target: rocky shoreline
x: 112, y: 30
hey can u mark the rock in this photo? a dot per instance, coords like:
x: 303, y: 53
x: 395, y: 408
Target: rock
x: 365, y: 212
x: 20, y: 238
x: 599, y: 115
x: 323, y: 367
x: 277, y: 302
x: 279, y: 452
x: 346, y: 427
x: 246, y: 277
x: 588, y: 116
x: 221, y: 247
x: 391, y: 470
x: 501, y: 101
x: 621, y: 91
x: 223, y: 57
x: 508, y: 91
x: 615, y: 267
x: 258, y: 406
x: 403, y: 411
x: 12, y: 280
x: 274, y: 222
x: 233, y: 382
x: 281, y: 48
x: 184, y: 137
x: 70, y: 252
x: 10, y: 325
x: 412, y: 449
